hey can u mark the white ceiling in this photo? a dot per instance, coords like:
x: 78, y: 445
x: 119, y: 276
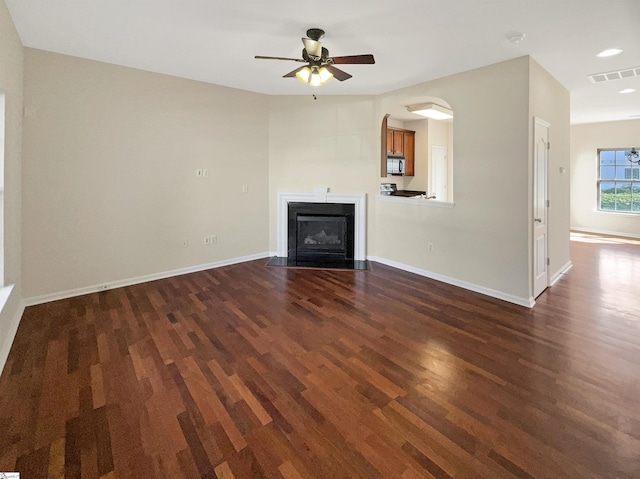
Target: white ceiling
x: 413, y: 41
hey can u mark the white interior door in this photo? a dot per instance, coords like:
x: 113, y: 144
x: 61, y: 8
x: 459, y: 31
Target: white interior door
x: 540, y: 228
x: 439, y: 172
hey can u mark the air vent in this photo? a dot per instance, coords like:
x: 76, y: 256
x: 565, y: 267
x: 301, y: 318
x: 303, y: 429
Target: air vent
x: 616, y: 75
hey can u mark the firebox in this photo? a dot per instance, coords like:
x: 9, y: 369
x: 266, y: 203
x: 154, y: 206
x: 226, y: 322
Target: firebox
x: 320, y: 233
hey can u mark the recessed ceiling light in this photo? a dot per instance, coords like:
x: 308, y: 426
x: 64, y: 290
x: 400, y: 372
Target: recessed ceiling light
x: 515, y: 37
x: 609, y: 53
x: 628, y: 90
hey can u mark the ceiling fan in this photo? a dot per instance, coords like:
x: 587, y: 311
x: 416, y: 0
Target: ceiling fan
x: 320, y: 66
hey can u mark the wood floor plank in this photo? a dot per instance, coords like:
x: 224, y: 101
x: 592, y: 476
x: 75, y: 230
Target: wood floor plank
x: 223, y: 471
x: 205, y: 469
x: 251, y: 400
x: 248, y: 371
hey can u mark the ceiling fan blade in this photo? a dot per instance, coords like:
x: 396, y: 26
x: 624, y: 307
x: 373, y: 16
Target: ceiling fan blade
x: 279, y: 58
x: 354, y: 60
x: 293, y: 73
x: 337, y: 73
x: 313, y: 48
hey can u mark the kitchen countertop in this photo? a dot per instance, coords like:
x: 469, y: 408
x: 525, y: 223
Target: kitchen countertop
x: 407, y: 193
x: 414, y: 200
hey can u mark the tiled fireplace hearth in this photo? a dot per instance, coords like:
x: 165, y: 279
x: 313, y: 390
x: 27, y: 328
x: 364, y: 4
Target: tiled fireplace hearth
x: 321, y: 229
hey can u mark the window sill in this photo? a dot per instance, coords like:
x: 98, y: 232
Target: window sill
x: 619, y: 213
x: 415, y: 201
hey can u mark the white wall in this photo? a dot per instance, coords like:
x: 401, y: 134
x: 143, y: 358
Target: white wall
x: 110, y: 159
x: 11, y: 80
x: 585, y: 142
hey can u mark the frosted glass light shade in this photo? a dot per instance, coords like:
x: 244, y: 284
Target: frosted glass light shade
x: 304, y: 74
x: 314, y: 76
x: 431, y: 110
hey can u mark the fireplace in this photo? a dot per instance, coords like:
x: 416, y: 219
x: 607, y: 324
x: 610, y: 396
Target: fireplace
x: 321, y: 229
x: 320, y: 233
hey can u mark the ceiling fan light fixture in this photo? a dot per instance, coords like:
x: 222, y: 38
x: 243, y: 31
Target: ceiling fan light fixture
x: 325, y: 75
x: 431, y: 110
x: 315, y: 79
x: 314, y: 76
x: 304, y: 74
x: 320, y: 65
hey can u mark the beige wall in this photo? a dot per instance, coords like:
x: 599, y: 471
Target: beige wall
x: 110, y: 159
x: 402, y: 182
x: 483, y: 240
x: 585, y: 141
x: 440, y: 135
x: 418, y: 182
x: 550, y: 102
x: 325, y: 142
x: 111, y: 153
x: 11, y: 79
x: 430, y: 133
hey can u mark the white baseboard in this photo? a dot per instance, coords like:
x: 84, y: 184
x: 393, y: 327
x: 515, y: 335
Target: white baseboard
x: 520, y: 301
x: 558, y: 275
x: 45, y: 298
x: 605, y: 232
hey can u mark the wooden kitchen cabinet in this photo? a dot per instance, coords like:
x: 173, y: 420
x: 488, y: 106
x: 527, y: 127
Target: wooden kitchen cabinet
x: 389, y: 141
x: 409, y: 149
x: 402, y: 142
x: 397, y: 142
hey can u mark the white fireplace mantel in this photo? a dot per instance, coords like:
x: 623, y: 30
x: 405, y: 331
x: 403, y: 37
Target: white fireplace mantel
x: 320, y: 196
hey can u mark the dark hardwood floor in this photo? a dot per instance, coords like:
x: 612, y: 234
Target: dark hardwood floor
x: 250, y: 371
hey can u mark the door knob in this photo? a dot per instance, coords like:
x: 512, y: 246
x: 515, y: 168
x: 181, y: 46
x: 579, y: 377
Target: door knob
x: 538, y: 220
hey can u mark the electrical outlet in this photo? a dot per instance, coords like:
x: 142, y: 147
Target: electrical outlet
x: 207, y: 240
x: 205, y: 172
x: 185, y: 242
x: 199, y: 172
x: 213, y: 239
x: 245, y: 188
x: 431, y: 247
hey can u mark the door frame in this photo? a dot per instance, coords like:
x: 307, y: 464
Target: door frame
x: 432, y: 166
x: 536, y: 287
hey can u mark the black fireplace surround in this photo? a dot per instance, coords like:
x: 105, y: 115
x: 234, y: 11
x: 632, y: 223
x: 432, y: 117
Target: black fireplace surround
x: 321, y: 234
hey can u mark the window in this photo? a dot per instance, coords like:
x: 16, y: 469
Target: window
x: 632, y: 173
x: 618, y: 182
